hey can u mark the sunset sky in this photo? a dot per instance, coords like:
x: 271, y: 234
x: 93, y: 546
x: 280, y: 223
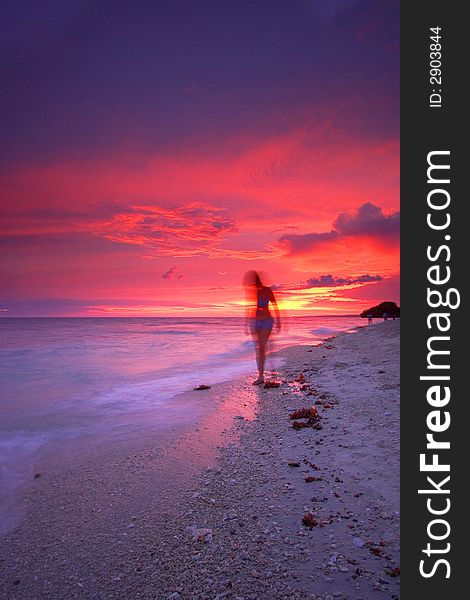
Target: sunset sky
x: 155, y: 150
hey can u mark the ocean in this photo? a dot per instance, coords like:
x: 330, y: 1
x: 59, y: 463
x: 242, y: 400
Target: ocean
x: 66, y: 378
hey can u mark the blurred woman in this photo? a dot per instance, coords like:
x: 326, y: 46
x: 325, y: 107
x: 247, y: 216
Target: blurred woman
x: 258, y: 319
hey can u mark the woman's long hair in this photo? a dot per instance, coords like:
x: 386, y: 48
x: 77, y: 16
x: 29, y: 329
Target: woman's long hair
x: 251, y: 278
x: 252, y: 284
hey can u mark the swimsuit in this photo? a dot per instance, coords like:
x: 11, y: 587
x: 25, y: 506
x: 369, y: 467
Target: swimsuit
x: 264, y: 322
x: 263, y: 301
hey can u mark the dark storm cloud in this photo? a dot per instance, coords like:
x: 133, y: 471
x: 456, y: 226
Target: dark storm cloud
x: 328, y: 281
x: 368, y: 221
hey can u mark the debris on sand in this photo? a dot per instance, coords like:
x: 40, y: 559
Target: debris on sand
x: 305, y: 413
x: 310, y: 414
x: 304, y: 424
x: 201, y: 535
x: 202, y: 387
x: 309, y: 521
x: 271, y: 384
x: 311, y: 478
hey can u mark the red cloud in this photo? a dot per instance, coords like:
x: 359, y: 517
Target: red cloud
x: 189, y: 229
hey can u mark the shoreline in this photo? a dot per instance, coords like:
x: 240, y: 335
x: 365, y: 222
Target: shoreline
x: 55, y: 451
x: 143, y: 528
x: 25, y: 442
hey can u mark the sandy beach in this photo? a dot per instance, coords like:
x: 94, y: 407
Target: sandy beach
x: 239, y: 506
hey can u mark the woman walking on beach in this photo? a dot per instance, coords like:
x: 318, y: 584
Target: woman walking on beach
x: 258, y: 319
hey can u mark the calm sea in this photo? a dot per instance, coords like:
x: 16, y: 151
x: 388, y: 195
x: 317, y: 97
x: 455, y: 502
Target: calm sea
x: 63, y: 378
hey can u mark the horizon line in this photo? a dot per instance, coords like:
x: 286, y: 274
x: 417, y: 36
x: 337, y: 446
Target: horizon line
x: 154, y: 316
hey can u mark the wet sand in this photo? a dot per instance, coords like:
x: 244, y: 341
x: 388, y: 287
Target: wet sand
x: 215, y: 511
